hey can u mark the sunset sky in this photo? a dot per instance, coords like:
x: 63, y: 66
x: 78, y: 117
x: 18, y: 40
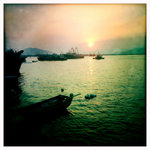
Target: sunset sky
x: 89, y: 27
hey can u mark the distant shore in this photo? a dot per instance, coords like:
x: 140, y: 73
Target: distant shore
x: 124, y: 54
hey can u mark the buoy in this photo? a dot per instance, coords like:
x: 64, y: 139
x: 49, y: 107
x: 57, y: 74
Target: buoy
x: 90, y: 96
x: 62, y: 90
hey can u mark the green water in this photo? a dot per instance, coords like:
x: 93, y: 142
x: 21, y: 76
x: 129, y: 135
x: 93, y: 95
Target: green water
x: 116, y: 116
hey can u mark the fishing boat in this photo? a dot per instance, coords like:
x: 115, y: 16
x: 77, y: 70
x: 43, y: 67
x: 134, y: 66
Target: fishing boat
x: 99, y: 56
x: 53, y: 57
x: 73, y: 54
x: 54, y: 104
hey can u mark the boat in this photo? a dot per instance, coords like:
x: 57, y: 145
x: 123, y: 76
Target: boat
x: 99, y: 56
x: 53, y: 57
x: 31, y: 59
x: 73, y: 54
x: 54, y: 104
x: 34, y: 61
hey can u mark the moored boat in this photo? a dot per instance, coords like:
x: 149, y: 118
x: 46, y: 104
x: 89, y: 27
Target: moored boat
x: 54, y: 104
x: 99, y: 56
x: 53, y: 57
x: 73, y: 54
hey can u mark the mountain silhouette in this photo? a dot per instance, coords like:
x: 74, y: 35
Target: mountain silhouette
x: 35, y: 51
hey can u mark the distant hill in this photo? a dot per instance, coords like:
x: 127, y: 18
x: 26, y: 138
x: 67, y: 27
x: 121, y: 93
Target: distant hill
x: 35, y: 51
x: 135, y: 51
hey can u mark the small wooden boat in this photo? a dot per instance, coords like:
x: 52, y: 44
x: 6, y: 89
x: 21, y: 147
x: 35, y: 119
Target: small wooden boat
x: 56, y: 104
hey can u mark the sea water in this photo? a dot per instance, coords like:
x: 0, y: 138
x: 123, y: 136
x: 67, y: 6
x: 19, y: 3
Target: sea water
x: 116, y: 116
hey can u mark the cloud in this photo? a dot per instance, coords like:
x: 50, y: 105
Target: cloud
x: 63, y: 26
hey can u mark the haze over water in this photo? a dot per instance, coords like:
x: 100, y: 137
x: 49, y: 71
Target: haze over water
x: 90, y: 27
x: 115, y: 117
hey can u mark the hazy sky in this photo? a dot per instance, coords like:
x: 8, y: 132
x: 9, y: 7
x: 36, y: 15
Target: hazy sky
x: 88, y: 27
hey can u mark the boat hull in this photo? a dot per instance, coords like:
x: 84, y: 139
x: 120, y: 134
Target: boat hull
x: 55, y: 104
x: 99, y: 58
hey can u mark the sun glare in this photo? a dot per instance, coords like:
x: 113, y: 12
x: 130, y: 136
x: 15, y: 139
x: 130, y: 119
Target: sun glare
x: 90, y: 44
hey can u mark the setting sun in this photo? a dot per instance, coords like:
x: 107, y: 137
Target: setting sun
x: 90, y: 44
